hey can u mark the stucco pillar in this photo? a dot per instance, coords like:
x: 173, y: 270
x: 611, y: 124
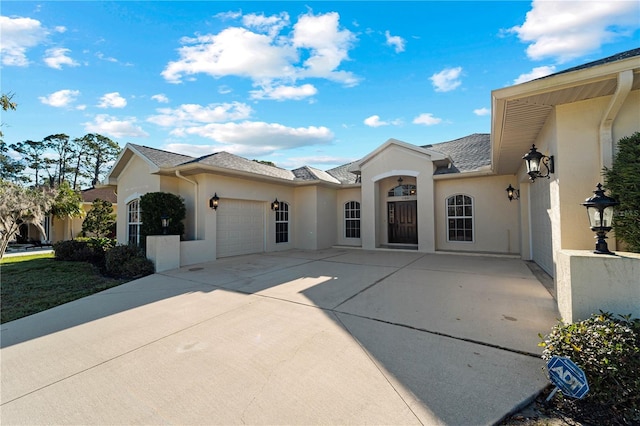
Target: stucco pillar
x: 368, y: 214
x: 164, y: 251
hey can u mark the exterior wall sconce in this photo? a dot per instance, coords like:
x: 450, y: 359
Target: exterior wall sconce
x: 164, y: 219
x: 600, y: 212
x: 400, y: 180
x: 275, y: 205
x: 213, y: 202
x: 512, y: 193
x: 534, y: 161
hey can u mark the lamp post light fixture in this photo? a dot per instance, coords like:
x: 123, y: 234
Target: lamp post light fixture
x: 600, y: 212
x: 275, y: 205
x: 213, y: 202
x: 164, y: 219
x: 512, y: 193
x: 534, y: 161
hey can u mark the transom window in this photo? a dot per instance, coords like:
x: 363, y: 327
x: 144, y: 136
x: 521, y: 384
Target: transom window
x: 402, y: 190
x: 134, y: 220
x: 460, y: 218
x: 282, y: 223
x: 352, y: 219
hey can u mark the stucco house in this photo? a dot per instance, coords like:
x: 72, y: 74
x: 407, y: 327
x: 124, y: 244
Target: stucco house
x: 444, y: 197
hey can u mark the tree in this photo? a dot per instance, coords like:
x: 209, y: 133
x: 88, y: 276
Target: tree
x: 623, y: 182
x: 7, y: 103
x: 20, y: 205
x: 100, y: 219
x: 33, y: 154
x: 10, y: 169
x: 63, y: 147
x: 99, y: 152
x: 154, y: 205
x: 67, y: 204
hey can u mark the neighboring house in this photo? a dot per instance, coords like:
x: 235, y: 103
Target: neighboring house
x: 66, y: 229
x: 448, y: 196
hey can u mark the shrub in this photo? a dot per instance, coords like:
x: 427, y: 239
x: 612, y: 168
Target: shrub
x: 607, y: 349
x: 156, y: 204
x: 127, y: 262
x: 74, y: 250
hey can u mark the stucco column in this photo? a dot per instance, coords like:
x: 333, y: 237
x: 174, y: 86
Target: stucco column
x: 368, y: 215
x: 164, y: 251
x: 426, y: 210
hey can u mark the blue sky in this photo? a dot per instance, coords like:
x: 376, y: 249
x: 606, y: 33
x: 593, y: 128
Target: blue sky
x: 297, y: 83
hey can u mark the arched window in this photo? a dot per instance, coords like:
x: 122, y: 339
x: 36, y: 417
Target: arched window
x: 134, y: 220
x: 460, y: 218
x: 282, y: 223
x: 352, y: 219
x: 402, y: 190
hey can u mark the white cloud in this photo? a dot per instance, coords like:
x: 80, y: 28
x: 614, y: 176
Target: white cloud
x: 57, y: 57
x: 188, y: 115
x: 112, y: 100
x: 396, y: 41
x: 374, y: 121
x: 160, y: 97
x: 18, y: 35
x: 482, y: 111
x: 60, y: 29
x: 565, y: 30
x: 102, y: 57
x: 265, y: 55
x: 61, y: 98
x: 446, y: 80
x: 281, y: 93
x: 258, y: 138
x: 427, y: 119
x: 537, y: 72
x: 108, y: 125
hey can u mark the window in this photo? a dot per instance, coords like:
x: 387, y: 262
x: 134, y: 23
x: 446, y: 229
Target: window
x: 282, y: 223
x: 352, y: 219
x: 460, y: 218
x: 133, y: 222
x: 402, y: 190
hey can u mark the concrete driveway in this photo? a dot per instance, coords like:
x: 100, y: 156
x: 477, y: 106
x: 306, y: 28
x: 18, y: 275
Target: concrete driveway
x: 335, y: 336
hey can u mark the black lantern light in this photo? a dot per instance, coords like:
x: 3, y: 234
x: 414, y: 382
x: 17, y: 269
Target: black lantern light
x: 600, y: 212
x: 164, y: 219
x: 275, y: 205
x: 512, y: 193
x: 213, y: 202
x: 534, y: 161
x: 400, y: 180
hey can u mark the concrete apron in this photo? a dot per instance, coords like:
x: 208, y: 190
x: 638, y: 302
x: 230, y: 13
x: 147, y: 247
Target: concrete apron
x: 334, y: 336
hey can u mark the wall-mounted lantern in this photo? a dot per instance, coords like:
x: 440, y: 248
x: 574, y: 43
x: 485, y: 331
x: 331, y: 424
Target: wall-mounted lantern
x: 600, y: 212
x: 534, y: 161
x: 400, y: 180
x: 512, y: 193
x: 164, y: 220
x: 275, y: 205
x: 213, y: 202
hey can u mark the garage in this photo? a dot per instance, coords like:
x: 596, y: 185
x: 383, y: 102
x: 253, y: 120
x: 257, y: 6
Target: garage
x: 240, y: 227
x: 541, y: 241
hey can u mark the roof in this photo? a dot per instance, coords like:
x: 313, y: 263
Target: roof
x: 609, y: 59
x: 234, y: 162
x: 162, y: 158
x: 468, y: 154
x: 307, y: 173
x: 106, y: 194
x: 343, y: 175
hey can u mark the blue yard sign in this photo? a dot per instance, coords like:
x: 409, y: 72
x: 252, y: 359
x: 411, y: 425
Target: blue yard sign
x: 568, y: 377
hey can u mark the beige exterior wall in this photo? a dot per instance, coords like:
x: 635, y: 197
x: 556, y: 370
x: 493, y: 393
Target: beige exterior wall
x: 343, y: 196
x: 379, y: 174
x: 496, y: 220
x: 135, y: 180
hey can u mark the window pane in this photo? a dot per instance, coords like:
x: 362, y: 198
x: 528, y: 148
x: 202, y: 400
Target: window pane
x: 459, y: 200
x: 467, y: 211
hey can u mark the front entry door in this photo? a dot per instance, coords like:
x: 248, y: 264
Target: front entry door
x: 403, y: 222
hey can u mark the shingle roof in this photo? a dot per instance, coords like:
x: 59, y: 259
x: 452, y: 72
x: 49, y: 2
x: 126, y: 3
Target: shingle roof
x: 343, y: 174
x: 234, y: 162
x: 311, y: 174
x: 92, y: 194
x: 613, y: 58
x: 162, y: 158
x: 468, y: 153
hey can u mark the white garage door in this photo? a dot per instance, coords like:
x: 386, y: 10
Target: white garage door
x: 240, y: 227
x: 542, y: 249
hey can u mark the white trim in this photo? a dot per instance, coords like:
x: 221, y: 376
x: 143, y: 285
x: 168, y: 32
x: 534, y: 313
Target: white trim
x: 132, y: 197
x: 473, y: 218
x: 391, y: 173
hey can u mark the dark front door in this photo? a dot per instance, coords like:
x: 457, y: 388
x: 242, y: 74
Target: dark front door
x: 403, y: 222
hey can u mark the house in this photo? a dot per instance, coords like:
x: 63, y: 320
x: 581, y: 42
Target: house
x: 445, y: 197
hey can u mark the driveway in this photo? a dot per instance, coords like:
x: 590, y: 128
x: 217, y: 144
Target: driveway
x: 335, y: 336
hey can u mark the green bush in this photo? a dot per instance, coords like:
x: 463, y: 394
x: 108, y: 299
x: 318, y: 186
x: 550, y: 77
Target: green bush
x: 607, y: 349
x: 127, y: 262
x: 74, y: 250
x: 153, y: 206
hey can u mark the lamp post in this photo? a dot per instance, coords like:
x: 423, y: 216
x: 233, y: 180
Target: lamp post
x: 165, y: 223
x: 600, y: 212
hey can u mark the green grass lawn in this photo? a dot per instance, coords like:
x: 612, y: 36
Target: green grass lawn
x: 30, y: 284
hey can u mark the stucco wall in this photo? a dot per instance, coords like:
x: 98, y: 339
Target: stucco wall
x: 496, y: 219
x: 135, y: 180
x: 326, y: 218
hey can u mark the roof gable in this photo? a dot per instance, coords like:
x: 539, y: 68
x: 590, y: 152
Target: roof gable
x: 434, y: 155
